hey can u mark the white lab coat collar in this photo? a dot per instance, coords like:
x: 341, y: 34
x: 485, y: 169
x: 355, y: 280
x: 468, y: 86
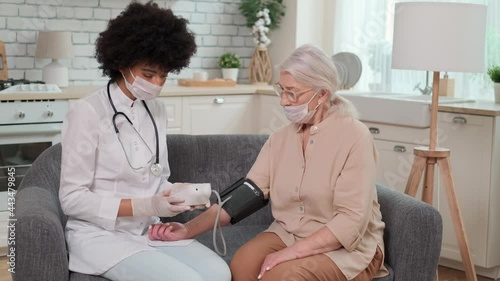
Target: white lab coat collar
x: 118, y: 95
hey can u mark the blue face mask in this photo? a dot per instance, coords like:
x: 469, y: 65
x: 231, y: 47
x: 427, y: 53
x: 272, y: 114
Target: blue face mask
x: 300, y: 113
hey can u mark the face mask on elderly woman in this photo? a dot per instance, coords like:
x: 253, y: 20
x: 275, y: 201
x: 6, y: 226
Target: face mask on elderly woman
x: 300, y: 113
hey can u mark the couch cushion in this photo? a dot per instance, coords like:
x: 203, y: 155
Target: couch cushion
x: 218, y: 159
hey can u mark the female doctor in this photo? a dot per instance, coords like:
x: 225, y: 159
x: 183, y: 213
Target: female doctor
x: 114, y: 157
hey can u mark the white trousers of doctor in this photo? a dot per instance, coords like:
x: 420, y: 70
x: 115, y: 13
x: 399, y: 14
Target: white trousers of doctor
x: 194, y: 262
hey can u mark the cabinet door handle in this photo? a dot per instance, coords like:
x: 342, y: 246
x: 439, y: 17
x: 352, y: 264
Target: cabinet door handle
x: 219, y: 100
x: 399, y: 148
x: 460, y: 120
x: 374, y: 130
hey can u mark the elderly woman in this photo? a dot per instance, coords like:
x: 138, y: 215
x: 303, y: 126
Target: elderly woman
x: 114, y: 172
x: 319, y: 173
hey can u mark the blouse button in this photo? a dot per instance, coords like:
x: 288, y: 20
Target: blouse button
x: 314, y: 128
x: 301, y: 208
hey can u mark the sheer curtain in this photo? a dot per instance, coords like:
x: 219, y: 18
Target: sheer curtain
x: 365, y: 28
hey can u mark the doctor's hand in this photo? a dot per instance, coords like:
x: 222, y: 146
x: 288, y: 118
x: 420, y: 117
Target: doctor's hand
x: 162, y: 205
x: 170, y: 231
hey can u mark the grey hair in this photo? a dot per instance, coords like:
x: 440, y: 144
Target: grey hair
x: 311, y: 67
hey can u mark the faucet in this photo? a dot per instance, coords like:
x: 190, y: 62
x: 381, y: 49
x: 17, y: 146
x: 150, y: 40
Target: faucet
x: 425, y: 91
x: 428, y: 89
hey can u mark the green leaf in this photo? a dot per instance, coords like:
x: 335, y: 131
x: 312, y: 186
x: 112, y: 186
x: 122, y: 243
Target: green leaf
x: 250, y: 8
x: 229, y: 60
x: 494, y: 73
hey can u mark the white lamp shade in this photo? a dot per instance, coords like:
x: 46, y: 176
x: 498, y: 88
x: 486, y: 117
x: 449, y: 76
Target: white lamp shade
x: 439, y: 37
x: 54, y: 45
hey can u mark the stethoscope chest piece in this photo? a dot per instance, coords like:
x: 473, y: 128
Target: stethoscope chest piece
x: 156, y: 169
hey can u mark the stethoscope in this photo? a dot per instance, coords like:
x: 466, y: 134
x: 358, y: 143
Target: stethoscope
x: 156, y: 168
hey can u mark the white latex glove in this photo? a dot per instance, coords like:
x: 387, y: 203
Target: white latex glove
x: 162, y: 205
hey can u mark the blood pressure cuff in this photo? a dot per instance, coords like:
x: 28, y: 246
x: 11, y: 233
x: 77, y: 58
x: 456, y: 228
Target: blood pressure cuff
x: 246, y: 199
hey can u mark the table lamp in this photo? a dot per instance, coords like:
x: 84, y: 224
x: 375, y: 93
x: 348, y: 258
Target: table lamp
x: 439, y: 37
x: 54, y: 45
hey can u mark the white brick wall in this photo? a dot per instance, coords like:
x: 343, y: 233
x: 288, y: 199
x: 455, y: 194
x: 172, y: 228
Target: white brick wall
x: 217, y: 24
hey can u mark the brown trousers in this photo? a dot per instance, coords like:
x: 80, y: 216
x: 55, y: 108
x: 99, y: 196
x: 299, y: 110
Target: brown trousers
x: 246, y: 263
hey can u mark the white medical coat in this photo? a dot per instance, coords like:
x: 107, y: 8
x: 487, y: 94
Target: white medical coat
x: 95, y: 176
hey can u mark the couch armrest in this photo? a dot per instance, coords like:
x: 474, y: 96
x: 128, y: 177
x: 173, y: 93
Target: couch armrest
x: 40, y: 246
x: 412, y: 236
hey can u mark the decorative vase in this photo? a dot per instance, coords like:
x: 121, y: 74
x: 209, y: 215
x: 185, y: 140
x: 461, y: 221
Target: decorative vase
x: 230, y: 73
x: 497, y: 92
x: 260, y: 71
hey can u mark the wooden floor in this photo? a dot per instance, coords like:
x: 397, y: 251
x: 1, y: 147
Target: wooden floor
x: 448, y: 274
x: 445, y: 274
x: 4, y: 267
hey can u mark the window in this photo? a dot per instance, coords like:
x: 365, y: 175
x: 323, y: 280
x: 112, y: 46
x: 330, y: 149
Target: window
x: 365, y: 28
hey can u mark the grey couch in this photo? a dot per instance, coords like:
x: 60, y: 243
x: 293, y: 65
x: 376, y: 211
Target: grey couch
x: 412, y: 236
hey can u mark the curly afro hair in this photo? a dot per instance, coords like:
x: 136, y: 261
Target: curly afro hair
x: 145, y: 33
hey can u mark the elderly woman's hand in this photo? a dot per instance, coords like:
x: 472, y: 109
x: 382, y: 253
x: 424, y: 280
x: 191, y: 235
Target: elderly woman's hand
x: 276, y: 258
x: 170, y: 231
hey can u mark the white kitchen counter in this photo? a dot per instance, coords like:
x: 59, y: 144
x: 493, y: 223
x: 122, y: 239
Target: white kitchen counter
x: 76, y: 92
x: 484, y: 108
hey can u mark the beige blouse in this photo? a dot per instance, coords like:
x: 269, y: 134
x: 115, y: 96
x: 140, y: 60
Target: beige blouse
x: 332, y: 184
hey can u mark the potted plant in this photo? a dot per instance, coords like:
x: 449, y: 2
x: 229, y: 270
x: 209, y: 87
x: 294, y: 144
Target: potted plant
x: 265, y: 13
x: 494, y: 73
x: 262, y: 16
x: 229, y: 62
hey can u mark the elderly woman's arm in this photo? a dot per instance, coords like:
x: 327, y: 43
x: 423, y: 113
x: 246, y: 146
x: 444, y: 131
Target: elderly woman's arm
x: 355, y: 193
x: 321, y: 241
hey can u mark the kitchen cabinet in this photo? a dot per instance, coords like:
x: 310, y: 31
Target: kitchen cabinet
x: 271, y: 116
x: 395, y: 147
x: 224, y: 114
x: 228, y: 114
x: 474, y: 142
x: 395, y: 159
x: 173, y: 106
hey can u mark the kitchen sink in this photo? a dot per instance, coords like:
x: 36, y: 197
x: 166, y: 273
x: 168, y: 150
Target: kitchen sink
x: 395, y: 108
x: 428, y: 99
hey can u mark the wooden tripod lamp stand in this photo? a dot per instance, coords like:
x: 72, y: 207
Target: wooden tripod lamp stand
x: 439, y: 37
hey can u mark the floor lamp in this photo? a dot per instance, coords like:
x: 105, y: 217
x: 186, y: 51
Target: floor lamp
x: 439, y: 37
